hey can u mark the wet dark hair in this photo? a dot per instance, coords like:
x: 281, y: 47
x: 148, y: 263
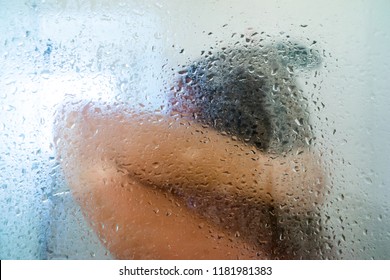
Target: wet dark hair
x: 251, y: 93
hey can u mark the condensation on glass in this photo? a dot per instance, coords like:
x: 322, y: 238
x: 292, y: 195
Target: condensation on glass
x: 285, y: 79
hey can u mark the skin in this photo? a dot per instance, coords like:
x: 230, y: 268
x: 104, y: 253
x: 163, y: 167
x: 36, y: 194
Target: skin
x: 162, y: 187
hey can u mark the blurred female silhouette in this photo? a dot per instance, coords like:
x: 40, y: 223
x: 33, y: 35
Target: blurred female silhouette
x: 226, y: 173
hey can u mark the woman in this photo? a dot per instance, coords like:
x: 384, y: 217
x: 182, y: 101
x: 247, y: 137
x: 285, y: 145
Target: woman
x: 226, y: 173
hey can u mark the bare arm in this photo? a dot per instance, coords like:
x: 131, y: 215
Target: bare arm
x: 134, y: 220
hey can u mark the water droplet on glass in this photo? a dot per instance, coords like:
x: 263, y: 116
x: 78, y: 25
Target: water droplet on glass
x: 298, y: 122
x: 368, y: 180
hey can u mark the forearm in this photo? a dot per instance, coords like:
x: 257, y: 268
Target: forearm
x: 160, y: 150
x: 164, y: 152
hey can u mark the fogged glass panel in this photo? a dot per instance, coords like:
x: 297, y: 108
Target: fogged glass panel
x: 194, y: 130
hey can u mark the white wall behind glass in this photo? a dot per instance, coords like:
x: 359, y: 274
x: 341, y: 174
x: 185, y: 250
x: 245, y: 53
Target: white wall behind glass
x: 117, y: 51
